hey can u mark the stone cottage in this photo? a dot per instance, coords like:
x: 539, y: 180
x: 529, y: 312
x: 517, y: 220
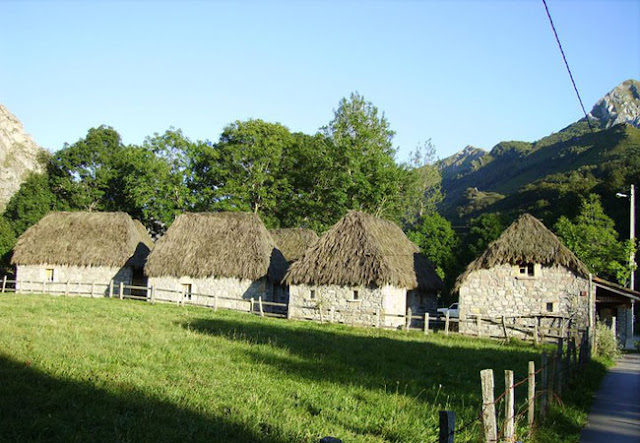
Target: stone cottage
x: 230, y: 255
x: 292, y: 242
x: 361, y: 267
x: 526, y: 272
x: 83, y: 248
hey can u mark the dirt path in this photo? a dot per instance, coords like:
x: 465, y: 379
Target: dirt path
x: 615, y: 415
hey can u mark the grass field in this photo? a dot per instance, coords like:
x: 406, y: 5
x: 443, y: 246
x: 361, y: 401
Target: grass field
x: 77, y: 369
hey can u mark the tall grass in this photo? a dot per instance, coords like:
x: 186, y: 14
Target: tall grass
x: 75, y: 369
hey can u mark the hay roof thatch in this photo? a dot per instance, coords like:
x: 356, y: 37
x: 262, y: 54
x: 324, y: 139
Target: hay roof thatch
x: 223, y: 244
x: 527, y: 240
x: 292, y: 242
x: 362, y: 250
x: 110, y: 239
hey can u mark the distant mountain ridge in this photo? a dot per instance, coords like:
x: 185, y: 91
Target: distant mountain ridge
x: 19, y: 155
x: 475, y: 180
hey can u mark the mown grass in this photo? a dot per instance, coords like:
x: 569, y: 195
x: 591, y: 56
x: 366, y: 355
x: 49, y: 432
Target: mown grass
x: 75, y: 369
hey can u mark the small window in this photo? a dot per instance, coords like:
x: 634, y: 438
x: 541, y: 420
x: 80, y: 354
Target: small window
x: 356, y: 295
x: 312, y: 294
x: 527, y: 269
x: 549, y: 307
x: 49, y: 275
x: 186, y: 291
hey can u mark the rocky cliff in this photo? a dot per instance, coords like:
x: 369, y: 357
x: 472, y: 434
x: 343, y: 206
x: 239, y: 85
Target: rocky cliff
x: 19, y: 155
x: 621, y: 105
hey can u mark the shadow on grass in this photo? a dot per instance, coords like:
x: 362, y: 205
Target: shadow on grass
x: 37, y: 407
x: 417, y: 368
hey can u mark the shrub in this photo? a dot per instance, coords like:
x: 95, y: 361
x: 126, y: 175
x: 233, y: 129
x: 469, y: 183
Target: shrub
x: 606, y: 342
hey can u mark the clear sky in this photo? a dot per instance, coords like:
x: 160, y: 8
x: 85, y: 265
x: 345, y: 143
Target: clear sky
x: 458, y: 72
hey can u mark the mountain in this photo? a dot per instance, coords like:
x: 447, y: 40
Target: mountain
x: 19, y: 155
x: 548, y: 177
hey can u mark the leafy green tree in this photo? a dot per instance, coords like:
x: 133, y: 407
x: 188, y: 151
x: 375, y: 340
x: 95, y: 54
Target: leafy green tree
x: 7, y: 242
x: 482, y: 231
x: 594, y: 240
x: 423, y: 185
x: 33, y: 201
x: 437, y: 241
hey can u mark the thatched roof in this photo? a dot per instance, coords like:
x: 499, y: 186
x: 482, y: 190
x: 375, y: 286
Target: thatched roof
x: 110, y: 239
x: 527, y: 240
x: 362, y: 250
x: 222, y: 244
x: 292, y: 242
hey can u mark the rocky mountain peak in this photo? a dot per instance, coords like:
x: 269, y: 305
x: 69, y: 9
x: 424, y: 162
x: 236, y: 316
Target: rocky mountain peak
x: 621, y: 105
x: 19, y: 155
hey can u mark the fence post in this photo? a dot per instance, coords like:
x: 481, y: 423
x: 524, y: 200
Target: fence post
x: 121, y: 291
x: 407, y: 322
x: 215, y: 305
x: 153, y: 295
x: 536, y: 337
x: 251, y: 306
x: 111, y: 289
x: 447, y: 426
x: 558, y: 367
x: 478, y: 325
x: 532, y: 396
x: 4, y: 283
x: 44, y: 287
x: 66, y: 289
x: 488, y: 406
x: 545, y: 385
x: 426, y: 323
x: 504, y: 328
x: 260, y: 306
x: 509, y: 406
x: 93, y: 289
x: 446, y: 323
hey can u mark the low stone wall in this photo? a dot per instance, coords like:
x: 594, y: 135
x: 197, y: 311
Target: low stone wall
x: 348, y: 309
x: 34, y: 279
x: 502, y: 290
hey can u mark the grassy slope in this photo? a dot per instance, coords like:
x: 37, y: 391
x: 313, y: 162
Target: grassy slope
x: 76, y: 369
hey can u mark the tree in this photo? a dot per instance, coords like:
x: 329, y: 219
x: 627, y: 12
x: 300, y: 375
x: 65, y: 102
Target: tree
x: 482, y: 231
x: 7, y: 242
x: 249, y: 155
x: 437, y: 241
x: 424, y: 190
x: 594, y: 240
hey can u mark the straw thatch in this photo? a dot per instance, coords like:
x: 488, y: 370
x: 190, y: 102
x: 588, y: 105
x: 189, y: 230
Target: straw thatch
x: 362, y: 250
x: 111, y: 239
x: 527, y: 240
x: 223, y: 244
x: 292, y: 242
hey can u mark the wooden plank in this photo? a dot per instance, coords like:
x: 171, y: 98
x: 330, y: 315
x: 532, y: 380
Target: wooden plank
x: 488, y: 406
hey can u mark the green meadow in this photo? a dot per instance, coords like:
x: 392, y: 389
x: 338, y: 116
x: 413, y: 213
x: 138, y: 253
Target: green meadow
x: 78, y: 369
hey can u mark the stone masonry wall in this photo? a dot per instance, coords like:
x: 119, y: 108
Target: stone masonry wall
x: 33, y: 279
x: 502, y: 290
x: 232, y: 293
x: 389, y: 299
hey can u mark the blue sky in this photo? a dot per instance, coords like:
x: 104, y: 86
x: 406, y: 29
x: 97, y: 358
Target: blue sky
x: 458, y: 72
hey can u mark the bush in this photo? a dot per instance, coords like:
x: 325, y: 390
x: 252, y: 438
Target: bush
x: 606, y: 342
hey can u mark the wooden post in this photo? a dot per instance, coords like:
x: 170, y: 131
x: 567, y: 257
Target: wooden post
x: 426, y: 323
x: 44, y: 287
x: 215, y: 305
x: 93, y: 289
x: 532, y: 396
x: 260, y: 306
x: 504, y: 328
x: 121, y: 291
x: 111, y: 289
x: 153, y: 295
x: 551, y: 383
x: 509, y: 411
x: 66, y: 289
x: 332, y: 314
x: 614, y: 327
x: 558, y: 367
x: 4, y: 283
x: 407, y: 322
x: 536, y: 336
x: 446, y: 323
x: 251, y: 305
x: 479, y: 325
x: 447, y: 426
x: 488, y: 406
x: 545, y: 385
x: 378, y: 318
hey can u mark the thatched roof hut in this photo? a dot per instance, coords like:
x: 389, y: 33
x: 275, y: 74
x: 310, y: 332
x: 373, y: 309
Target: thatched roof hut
x: 527, y: 240
x: 111, y: 239
x: 223, y: 244
x: 292, y: 242
x: 362, y: 250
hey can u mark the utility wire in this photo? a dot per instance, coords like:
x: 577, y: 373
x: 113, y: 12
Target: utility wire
x: 567, y: 65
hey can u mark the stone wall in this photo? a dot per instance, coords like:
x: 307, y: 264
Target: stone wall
x: 346, y: 308
x: 81, y: 278
x: 232, y: 293
x: 553, y: 291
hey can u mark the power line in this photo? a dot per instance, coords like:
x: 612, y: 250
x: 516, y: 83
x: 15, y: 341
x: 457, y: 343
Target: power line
x: 567, y: 65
